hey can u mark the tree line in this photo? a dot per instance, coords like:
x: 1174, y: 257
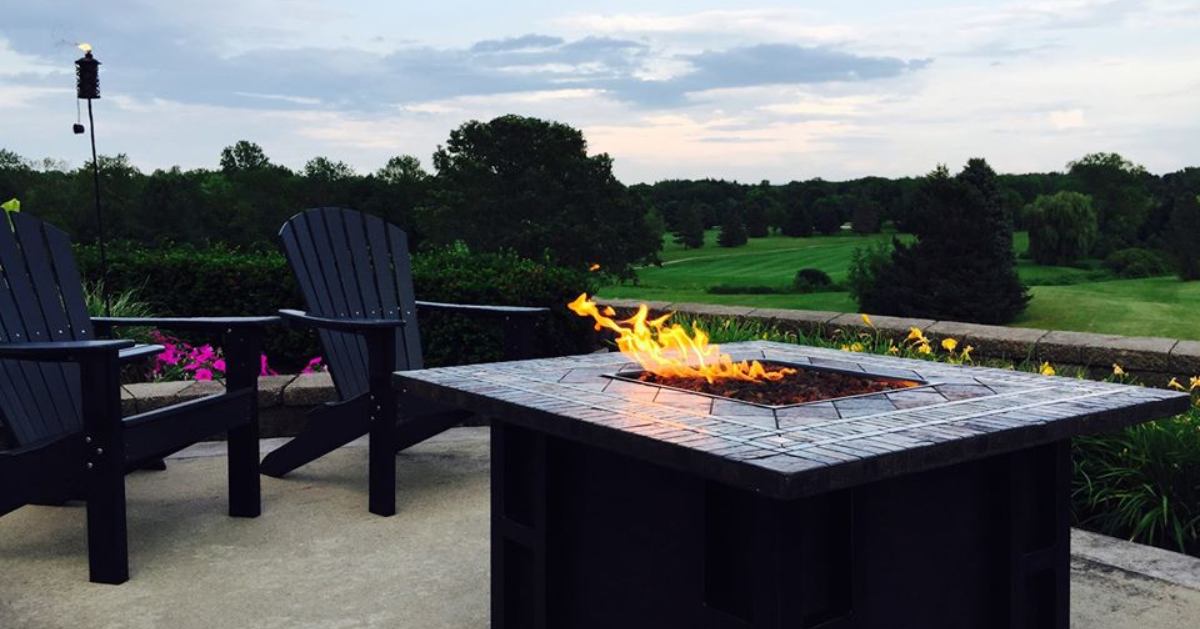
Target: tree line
x: 529, y: 186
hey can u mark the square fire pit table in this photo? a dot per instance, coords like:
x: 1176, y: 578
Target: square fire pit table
x: 618, y: 503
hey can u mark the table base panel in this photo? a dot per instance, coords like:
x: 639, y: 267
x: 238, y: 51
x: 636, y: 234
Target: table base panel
x: 586, y: 538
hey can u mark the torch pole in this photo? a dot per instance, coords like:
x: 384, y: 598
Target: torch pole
x: 99, y: 214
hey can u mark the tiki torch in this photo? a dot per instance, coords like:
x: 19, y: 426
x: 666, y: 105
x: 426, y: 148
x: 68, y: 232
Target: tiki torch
x: 87, y: 87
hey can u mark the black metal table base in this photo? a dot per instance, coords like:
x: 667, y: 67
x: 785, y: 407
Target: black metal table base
x: 583, y: 537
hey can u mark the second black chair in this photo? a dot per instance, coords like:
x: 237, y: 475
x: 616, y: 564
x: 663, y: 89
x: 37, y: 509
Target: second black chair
x: 354, y: 273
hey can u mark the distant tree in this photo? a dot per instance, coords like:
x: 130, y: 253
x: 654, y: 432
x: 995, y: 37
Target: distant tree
x: 243, y: 155
x: 689, y: 226
x: 1185, y: 236
x: 529, y: 185
x: 402, y: 169
x: 760, y: 206
x: 799, y: 222
x: 962, y: 266
x: 866, y: 217
x: 327, y: 169
x: 827, y: 214
x: 733, y: 231
x: 1062, y: 227
x: 1120, y: 195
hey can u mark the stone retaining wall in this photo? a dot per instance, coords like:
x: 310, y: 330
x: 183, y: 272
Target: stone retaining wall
x: 1152, y: 359
x: 285, y: 400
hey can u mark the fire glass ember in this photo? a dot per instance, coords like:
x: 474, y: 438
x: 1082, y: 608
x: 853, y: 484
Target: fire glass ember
x: 797, y: 386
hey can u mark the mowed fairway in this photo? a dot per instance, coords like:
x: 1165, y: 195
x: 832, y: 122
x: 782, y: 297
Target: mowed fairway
x: 1064, y: 298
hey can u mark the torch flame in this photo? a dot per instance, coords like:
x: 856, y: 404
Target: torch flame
x: 668, y: 350
x: 84, y: 46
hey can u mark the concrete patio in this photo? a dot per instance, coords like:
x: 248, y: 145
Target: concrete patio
x: 316, y: 558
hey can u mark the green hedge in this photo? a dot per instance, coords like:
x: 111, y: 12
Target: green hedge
x: 190, y: 281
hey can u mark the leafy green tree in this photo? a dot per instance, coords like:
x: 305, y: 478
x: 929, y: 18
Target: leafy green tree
x: 1120, y: 195
x: 529, y: 185
x: 402, y: 169
x: 325, y: 169
x: 733, y: 231
x: 962, y: 266
x: 866, y: 217
x: 1062, y: 227
x: 827, y: 214
x: 243, y: 155
x: 689, y: 226
x: 799, y: 222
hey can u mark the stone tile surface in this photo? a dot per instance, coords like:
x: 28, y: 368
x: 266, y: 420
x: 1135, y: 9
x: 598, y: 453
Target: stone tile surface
x: 915, y: 429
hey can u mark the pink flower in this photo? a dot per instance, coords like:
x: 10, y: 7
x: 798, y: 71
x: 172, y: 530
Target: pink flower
x: 219, y: 365
x: 313, y: 366
x: 263, y: 368
x: 204, y: 374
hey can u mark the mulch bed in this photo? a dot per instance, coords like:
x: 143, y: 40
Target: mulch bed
x: 805, y: 385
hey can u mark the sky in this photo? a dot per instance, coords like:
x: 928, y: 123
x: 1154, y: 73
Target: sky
x: 670, y: 89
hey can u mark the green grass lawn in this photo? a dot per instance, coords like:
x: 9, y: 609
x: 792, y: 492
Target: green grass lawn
x: 1067, y: 298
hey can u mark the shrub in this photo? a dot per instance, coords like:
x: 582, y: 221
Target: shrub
x: 188, y: 281
x: 1062, y: 227
x: 1142, y: 483
x: 1136, y: 262
x: 811, y: 281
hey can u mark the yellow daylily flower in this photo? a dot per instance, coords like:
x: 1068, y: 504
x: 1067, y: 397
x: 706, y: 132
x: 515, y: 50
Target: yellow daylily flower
x: 949, y: 344
x: 966, y: 353
x: 1117, y: 371
x: 1047, y: 369
x: 1174, y: 384
x: 867, y: 320
x: 892, y: 349
x: 1194, y: 383
x: 925, y: 348
x: 856, y: 347
x: 915, y: 334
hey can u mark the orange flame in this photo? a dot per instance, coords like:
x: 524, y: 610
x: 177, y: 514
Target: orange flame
x: 668, y: 350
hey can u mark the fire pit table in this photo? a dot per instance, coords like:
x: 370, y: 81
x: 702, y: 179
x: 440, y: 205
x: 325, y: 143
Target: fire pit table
x: 939, y: 501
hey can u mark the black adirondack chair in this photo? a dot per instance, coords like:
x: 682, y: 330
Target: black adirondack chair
x: 60, y: 397
x: 353, y: 270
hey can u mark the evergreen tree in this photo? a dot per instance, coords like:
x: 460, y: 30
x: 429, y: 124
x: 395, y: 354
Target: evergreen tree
x: 1185, y: 236
x: 689, y: 226
x: 962, y: 266
x: 733, y: 231
x: 760, y: 207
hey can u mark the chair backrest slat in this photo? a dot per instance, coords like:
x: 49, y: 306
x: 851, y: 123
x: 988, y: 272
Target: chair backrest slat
x: 353, y: 266
x: 39, y: 400
x: 302, y: 257
x: 409, y: 343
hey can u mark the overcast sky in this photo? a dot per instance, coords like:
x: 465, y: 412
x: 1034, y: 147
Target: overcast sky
x: 669, y: 88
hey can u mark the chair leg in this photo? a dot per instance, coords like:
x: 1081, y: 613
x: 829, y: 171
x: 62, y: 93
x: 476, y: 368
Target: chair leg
x: 108, y: 550
x: 383, y: 466
x: 245, y: 488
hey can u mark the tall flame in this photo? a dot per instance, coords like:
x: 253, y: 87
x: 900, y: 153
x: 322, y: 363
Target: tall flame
x: 668, y: 350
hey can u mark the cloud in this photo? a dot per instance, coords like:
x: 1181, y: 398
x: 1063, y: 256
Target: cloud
x: 524, y: 42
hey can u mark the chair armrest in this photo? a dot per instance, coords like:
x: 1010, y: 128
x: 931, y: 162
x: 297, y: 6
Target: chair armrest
x: 61, y: 351
x: 187, y: 323
x: 138, y: 352
x: 482, y: 310
x: 298, y: 317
